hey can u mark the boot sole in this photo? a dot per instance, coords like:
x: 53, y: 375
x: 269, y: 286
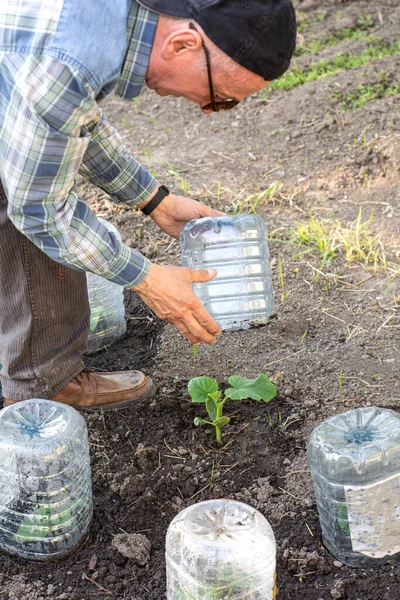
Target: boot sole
x: 149, y: 393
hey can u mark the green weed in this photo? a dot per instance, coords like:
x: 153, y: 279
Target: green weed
x: 331, y: 238
x: 182, y: 183
x: 251, y: 202
x: 343, y: 61
x: 281, y: 279
x: 347, y: 33
x: 381, y: 88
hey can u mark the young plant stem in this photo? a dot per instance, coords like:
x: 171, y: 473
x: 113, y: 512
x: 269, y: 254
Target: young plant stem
x: 219, y: 415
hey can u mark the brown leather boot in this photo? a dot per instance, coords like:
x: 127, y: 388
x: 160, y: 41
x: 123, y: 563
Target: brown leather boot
x: 103, y: 391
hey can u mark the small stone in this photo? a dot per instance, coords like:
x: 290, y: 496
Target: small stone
x: 51, y: 589
x: 93, y: 563
x: 183, y: 451
x: 337, y: 563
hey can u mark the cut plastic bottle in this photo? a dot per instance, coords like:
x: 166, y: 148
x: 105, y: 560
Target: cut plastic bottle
x: 45, y: 480
x: 241, y: 294
x: 107, y: 310
x: 355, y: 466
x: 220, y: 549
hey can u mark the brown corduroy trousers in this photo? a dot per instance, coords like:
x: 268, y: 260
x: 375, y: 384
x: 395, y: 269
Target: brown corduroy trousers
x: 44, y: 317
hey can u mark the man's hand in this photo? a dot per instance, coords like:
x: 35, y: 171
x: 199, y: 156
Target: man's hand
x: 167, y: 290
x: 172, y: 214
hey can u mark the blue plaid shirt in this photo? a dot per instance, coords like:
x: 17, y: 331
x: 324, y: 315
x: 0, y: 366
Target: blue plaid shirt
x: 57, y: 58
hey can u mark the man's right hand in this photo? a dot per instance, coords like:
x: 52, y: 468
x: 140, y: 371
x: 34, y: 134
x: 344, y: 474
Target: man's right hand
x: 167, y: 290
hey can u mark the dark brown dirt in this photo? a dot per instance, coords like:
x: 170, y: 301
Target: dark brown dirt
x: 334, y: 345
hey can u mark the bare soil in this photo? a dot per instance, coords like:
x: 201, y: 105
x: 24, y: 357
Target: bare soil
x: 334, y: 345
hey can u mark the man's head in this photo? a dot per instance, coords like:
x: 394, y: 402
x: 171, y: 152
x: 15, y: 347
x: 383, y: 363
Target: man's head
x: 225, y: 48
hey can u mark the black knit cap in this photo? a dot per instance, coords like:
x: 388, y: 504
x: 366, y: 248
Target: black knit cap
x: 258, y: 34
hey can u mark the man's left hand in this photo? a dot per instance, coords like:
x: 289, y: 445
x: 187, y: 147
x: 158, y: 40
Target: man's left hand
x: 172, y: 214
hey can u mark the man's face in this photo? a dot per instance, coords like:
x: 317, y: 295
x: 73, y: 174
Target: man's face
x: 177, y: 68
x: 235, y: 85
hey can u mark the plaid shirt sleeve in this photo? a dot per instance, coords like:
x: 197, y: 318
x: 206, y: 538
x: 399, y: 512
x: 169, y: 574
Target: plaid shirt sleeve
x: 52, y: 129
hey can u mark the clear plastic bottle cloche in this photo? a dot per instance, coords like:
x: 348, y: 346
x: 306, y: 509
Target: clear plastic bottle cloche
x: 241, y: 293
x: 355, y: 467
x: 107, y: 309
x: 220, y: 550
x: 45, y: 480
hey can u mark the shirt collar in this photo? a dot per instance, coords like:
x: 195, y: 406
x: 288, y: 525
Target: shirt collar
x: 141, y: 28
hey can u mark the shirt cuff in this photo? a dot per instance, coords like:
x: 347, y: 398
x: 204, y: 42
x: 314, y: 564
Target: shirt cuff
x: 133, y: 185
x: 129, y: 269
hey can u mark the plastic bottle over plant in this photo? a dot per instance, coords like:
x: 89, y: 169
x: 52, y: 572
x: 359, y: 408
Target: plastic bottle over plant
x: 241, y: 293
x: 355, y: 466
x: 220, y: 550
x: 45, y: 479
x: 107, y: 310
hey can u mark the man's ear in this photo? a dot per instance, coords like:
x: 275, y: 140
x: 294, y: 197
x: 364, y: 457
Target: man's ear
x: 179, y: 42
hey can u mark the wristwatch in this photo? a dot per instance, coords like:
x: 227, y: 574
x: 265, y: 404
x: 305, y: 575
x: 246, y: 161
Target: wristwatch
x: 155, y: 201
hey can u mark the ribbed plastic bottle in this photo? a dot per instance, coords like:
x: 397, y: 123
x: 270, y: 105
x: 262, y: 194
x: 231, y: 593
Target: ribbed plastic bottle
x: 107, y: 310
x: 241, y: 294
x: 355, y: 466
x: 45, y: 480
x: 220, y: 549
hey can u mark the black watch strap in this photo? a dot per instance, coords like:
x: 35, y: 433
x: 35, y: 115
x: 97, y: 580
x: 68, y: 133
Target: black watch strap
x: 155, y: 201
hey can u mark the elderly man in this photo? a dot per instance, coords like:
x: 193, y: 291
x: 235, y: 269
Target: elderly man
x: 57, y: 59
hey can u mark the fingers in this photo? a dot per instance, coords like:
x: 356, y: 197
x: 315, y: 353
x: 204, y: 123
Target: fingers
x: 202, y: 275
x: 184, y: 331
x: 168, y: 292
x: 199, y: 326
x: 206, y: 211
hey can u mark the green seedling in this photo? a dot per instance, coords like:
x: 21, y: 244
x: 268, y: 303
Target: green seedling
x: 96, y: 316
x: 282, y: 279
x: 182, y: 183
x: 382, y: 88
x: 343, y: 518
x: 358, y: 32
x: 205, y: 390
x: 377, y: 49
x: 303, y: 337
x: 126, y: 124
x: 195, y: 356
x: 331, y: 238
x: 233, y: 582
x: 43, y: 523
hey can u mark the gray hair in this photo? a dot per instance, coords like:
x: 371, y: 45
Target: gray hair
x: 218, y: 58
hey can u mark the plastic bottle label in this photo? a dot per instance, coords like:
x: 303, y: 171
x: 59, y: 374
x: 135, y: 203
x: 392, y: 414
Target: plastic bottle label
x: 374, y: 517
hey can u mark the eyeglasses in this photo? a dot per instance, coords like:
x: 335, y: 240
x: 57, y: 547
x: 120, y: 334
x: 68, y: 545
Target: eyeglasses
x: 215, y: 105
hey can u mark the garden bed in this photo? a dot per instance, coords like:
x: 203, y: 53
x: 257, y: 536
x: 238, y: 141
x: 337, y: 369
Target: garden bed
x: 333, y: 346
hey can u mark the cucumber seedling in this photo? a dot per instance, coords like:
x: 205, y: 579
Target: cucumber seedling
x: 205, y: 390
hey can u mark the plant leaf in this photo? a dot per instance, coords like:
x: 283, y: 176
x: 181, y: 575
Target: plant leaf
x: 215, y: 395
x: 200, y: 387
x: 258, y: 389
x: 211, y: 407
x: 199, y: 421
x: 222, y: 421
